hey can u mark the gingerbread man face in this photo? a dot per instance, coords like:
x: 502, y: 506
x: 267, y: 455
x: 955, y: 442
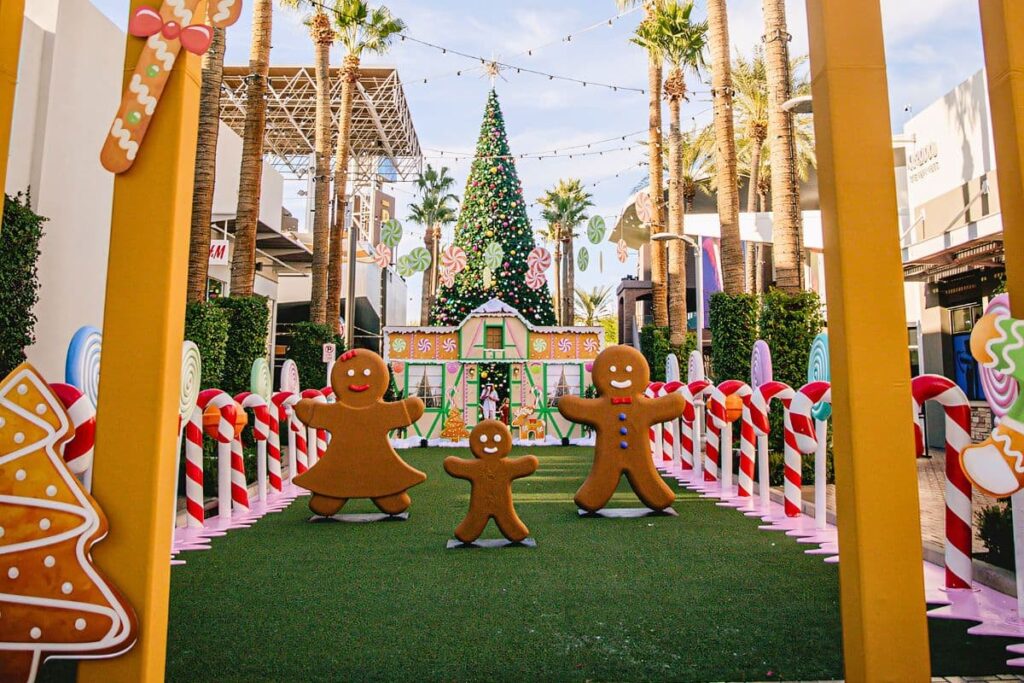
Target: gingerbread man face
x: 359, y: 378
x: 490, y: 440
x: 621, y: 371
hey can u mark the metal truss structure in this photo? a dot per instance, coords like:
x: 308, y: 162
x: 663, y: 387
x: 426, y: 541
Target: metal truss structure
x: 382, y: 127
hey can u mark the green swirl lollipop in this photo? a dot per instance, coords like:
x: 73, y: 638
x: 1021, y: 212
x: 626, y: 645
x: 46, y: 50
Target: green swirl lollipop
x: 583, y: 259
x: 595, y: 229
x: 419, y: 259
x: 405, y: 268
x: 391, y: 233
x: 493, y: 254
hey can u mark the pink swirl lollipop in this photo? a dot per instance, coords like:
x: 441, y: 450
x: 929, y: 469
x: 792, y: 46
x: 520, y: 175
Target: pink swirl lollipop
x: 539, y: 259
x: 620, y: 251
x: 1001, y: 391
x: 453, y: 258
x: 644, y: 207
x: 535, y: 279
x: 382, y: 255
x: 447, y: 277
x: 760, y: 364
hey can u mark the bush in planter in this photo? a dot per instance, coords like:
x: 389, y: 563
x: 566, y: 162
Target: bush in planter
x: 995, y: 528
x: 733, y: 323
x: 655, y: 346
x: 306, y: 349
x: 206, y: 325
x: 248, y: 327
x: 20, y: 233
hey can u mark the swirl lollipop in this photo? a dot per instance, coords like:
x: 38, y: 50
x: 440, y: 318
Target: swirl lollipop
x: 695, y: 367
x: 289, y: 381
x: 419, y: 259
x: 1001, y: 390
x: 260, y: 381
x: 595, y: 230
x: 382, y: 255
x: 760, y: 364
x: 620, y: 251
x: 191, y: 379
x: 82, y: 368
x: 405, y: 268
x: 818, y: 371
x: 447, y: 278
x: 535, y: 279
x: 454, y: 259
x: 644, y: 207
x: 538, y: 259
x: 583, y: 259
x: 493, y: 253
x: 391, y: 233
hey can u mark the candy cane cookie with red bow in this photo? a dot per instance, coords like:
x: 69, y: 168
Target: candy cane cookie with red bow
x: 166, y: 31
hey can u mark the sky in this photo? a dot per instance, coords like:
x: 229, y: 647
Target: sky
x: 931, y: 46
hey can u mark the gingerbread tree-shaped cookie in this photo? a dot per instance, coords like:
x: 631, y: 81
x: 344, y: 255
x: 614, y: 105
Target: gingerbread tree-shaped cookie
x: 53, y: 600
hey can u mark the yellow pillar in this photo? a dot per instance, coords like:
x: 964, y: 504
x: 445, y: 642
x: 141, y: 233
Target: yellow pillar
x: 885, y: 636
x: 1002, y: 24
x: 139, y: 376
x: 12, y: 15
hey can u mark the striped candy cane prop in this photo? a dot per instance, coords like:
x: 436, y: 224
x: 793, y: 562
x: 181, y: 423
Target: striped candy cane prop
x: 239, y: 488
x: 959, y: 534
x: 810, y: 435
x: 653, y: 390
x: 745, y: 482
x: 670, y: 431
x: 720, y: 432
x: 317, y: 437
x: 224, y: 433
x: 274, y: 449
x: 79, y: 451
x: 758, y: 414
x: 284, y: 400
x: 698, y: 389
x: 328, y: 393
x: 261, y: 434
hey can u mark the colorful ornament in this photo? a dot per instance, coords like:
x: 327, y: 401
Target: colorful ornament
x: 382, y: 255
x: 535, y: 279
x: 583, y: 259
x: 454, y: 259
x: 405, y: 266
x: 419, y: 259
x: 493, y: 254
x: 391, y: 233
x: 539, y: 259
x: 620, y: 251
x: 595, y: 229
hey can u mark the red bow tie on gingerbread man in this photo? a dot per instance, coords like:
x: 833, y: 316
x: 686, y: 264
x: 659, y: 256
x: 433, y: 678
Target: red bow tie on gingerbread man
x: 146, y: 22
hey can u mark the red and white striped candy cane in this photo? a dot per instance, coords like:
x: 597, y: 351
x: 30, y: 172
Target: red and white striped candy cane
x: 810, y: 438
x: 686, y: 429
x: 959, y: 533
x: 316, y: 436
x: 273, y: 449
x: 261, y: 434
x: 78, y: 452
x: 297, y: 463
x: 692, y: 427
x: 224, y: 433
x: 745, y: 480
x: 717, y: 445
x: 670, y: 429
x: 758, y: 415
x: 653, y: 390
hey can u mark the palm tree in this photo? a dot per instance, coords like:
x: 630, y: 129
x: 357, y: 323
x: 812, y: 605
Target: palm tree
x: 322, y: 35
x: 672, y: 32
x: 243, y: 260
x: 787, y: 229
x: 205, y: 168
x: 434, y: 211
x: 565, y: 205
x: 360, y: 30
x: 654, y: 60
x: 725, y: 148
x: 593, y: 305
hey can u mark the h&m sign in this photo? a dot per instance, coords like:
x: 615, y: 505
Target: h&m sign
x: 218, y: 252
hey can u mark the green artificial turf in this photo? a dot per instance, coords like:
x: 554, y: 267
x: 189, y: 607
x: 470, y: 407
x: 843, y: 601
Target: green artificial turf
x: 702, y: 596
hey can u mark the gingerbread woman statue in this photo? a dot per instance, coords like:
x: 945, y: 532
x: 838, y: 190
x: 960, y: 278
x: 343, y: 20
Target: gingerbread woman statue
x: 491, y: 473
x: 621, y: 415
x: 360, y: 462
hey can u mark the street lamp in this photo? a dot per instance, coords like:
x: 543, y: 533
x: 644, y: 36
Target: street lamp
x: 698, y: 276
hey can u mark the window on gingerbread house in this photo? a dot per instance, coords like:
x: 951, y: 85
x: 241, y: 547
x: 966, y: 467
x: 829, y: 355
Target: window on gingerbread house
x: 562, y: 380
x: 494, y: 337
x: 425, y: 383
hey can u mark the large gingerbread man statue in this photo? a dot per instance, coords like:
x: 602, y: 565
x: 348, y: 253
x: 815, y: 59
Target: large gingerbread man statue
x: 360, y: 462
x: 491, y: 474
x: 621, y: 415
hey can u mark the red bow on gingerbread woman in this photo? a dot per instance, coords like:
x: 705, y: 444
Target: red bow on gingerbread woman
x: 146, y: 21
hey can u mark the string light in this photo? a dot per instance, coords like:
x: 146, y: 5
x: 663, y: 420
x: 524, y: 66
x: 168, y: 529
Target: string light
x: 582, y: 145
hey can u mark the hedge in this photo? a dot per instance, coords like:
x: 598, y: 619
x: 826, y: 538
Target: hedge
x: 789, y: 323
x: 306, y: 349
x: 248, y: 327
x: 655, y: 345
x: 206, y: 325
x: 733, y: 323
x: 20, y: 233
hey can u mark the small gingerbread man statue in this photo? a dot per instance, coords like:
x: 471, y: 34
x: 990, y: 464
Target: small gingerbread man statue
x: 621, y: 415
x: 360, y: 462
x: 491, y: 473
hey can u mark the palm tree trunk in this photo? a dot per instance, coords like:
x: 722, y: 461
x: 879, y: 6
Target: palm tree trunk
x: 243, y: 261
x: 725, y: 148
x: 558, y: 281
x: 659, y: 294
x: 427, y: 295
x: 676, y: 248
x: 750, y: 272
x: 569, y: 276
x: 787, y: 230
x: 205, y: 168
x: 349, y: 76
x: 322, y: 37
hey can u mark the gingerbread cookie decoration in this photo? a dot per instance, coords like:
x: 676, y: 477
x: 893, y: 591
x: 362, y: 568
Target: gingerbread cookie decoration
x: 621, y: 415
x: 53, y: 599
x: 359, y: 462
x: 490, y: 474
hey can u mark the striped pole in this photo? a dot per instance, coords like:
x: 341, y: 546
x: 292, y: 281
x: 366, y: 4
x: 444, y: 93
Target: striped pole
x: 224, y: 433
x: 670, y: 433
x: 959, y: 532
x: 328, y: 393
x: 653, y: 390
x: 747, y: 458
x: 810, y: 437
x: 317, y: 437
x: 720, y: 432
x: 759, y: 415
x: 273, y: 449
x: 284, y: 400
x: 239, y: 488
x: 261, y: 434
x: 686, y: 430
x: 698, y: 389
x: 78, y: 452
x: 194, y: 511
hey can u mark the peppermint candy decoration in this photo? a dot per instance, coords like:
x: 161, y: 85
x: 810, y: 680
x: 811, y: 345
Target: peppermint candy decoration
x: 419, y: 259
x: 447, y: 278
x: 424, y: 345
x: 535, y: 279
x: 454, y: 259
x: 290, y: 377
x: 260, y: 382
x: 391, y: 233
x: 644, y: 207
x: 1001, y: 390
x: 448, y: 345
x: 405, y: 268
x: 382, y: 255
x: 493, y: 253
x: 538, y: 259
x: 590, y: 345
x: 760, y: 364
x: 583, y: 259
x: 191, y: 379
x: 595, y: 230
x: 818, y: 362
x: 398, y: 344
x: 540, y: 345
x: 621, y: 252
x: 564, y: 345
x: 82, y: 368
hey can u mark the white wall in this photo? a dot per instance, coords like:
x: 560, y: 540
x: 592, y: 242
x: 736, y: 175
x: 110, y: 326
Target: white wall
x: 225, y: 190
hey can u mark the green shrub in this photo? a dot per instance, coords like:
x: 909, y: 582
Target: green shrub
x: 20, y: 233
x: 733, y: 323
x: 789, y: 323
x: 206, y: 325
x: 248, y: 327
x: 306, y: 349
x: 655, y: 346
x: 777, y: 468
x: 995, y: 528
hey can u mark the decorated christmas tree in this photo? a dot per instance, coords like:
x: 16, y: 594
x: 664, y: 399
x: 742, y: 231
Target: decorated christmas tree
x: 495, y: 233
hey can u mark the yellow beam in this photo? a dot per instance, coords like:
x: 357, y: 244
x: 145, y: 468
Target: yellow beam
x: 885, y: 634
x: 1002, y: 24
x: 12, y: 16
x: 139, y: 376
